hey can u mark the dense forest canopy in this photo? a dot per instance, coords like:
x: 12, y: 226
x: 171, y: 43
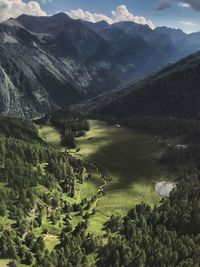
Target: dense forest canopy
x: 36, y: 184
x: 34, y: 180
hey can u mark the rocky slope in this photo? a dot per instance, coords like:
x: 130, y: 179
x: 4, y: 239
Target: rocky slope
x: 47, y: 63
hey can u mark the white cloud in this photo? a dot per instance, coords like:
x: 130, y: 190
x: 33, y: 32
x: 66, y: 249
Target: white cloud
x: 15, y: 8
x: 195, y: 4
x: 189, y: 26
x: 120, y: 14
x: 188, y: 23
x: 45, y: 1
x: 86, y: 15
x: 163, y: 4
x: 183, y: 5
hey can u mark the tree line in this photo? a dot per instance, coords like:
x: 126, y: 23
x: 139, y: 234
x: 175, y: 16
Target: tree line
x: 70, y: 126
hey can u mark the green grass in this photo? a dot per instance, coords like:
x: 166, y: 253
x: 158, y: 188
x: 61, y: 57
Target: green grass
x: 86, y: 190
x: 51, y: 242
x: 51, y: 135
x: 4, y: 263
x: 131, y: 160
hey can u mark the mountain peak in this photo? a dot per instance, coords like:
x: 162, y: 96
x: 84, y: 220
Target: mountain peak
x: 57, y: 15
x: 102, y: 23
x: 131, y: 25
x: 61, y: 15
x: 167, y: 30
x: 44, y: 24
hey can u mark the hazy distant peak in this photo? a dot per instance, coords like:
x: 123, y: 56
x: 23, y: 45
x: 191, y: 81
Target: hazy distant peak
x: 131, y: 23
x: 167, y: 29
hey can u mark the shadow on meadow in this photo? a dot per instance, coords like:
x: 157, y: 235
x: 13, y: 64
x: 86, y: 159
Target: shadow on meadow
x: 135, y: 159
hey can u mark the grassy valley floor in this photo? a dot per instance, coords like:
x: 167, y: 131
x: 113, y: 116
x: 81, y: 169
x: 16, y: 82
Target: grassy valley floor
x: 128, y: 159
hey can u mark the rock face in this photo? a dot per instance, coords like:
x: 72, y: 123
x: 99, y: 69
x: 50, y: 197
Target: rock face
x: 47, y: 63
x: 41, y: 72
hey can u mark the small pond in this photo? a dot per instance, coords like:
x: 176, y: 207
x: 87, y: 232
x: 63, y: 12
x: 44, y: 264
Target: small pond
x: 164, y: 188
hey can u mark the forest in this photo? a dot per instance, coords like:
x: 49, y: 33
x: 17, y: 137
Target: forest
x: 37, y: 184
x: 70, y: 126
x: 167, y: 235
x: 34, y: 181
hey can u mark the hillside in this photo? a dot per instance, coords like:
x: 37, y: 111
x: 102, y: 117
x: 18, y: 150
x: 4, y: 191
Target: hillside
x: 40, y: 72
x: 58, y: 208
x: 174, y: 91
x: 48, y: 63
x: 40, y: 199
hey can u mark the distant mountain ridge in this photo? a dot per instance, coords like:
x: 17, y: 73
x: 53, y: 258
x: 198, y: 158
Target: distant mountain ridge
x: 174, y: 91
x: 48, y: 63
x: 180, y: 41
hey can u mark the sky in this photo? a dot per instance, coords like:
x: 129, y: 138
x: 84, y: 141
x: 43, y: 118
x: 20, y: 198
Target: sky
x: 182, y: 14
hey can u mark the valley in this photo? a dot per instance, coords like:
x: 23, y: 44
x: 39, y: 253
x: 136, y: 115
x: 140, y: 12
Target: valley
x: 52, y: 62
x: 72, y: 188
x: 129, y: 160
x: 99, y: 135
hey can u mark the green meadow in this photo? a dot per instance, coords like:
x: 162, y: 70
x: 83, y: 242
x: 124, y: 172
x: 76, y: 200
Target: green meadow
x: 51, y: 135
x: 5, y: 263
x: 129, y: 160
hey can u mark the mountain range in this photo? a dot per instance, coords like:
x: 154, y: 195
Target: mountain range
x: 173, y: 91
x: 48, y: 63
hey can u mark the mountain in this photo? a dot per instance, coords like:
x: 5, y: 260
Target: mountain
x: 135, y: 29
x: 48, y: 24
x: 67, y: 37
x: 48, y: 63
x: 51, y: 69
x: 174, y: 91
x: 32, y: 82
x: 145, y: 49
x: 176, y: 43
x: 97, y: 26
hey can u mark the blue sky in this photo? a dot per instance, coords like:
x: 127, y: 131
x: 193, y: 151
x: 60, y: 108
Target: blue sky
x: 184, y: 14
x: 177, y: 16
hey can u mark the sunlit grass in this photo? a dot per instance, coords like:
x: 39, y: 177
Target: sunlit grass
x: 50, y: 242
x: 4, y: 263
x: 51, y: 135
x: 131, y: 160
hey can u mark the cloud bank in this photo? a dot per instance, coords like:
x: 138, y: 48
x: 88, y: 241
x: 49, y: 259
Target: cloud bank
x: 163, y: 4
x: 15, y: 8
x: 189, y: 26
x: 45, y: 1
x: 120, y: 14
x: 184, y: 5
